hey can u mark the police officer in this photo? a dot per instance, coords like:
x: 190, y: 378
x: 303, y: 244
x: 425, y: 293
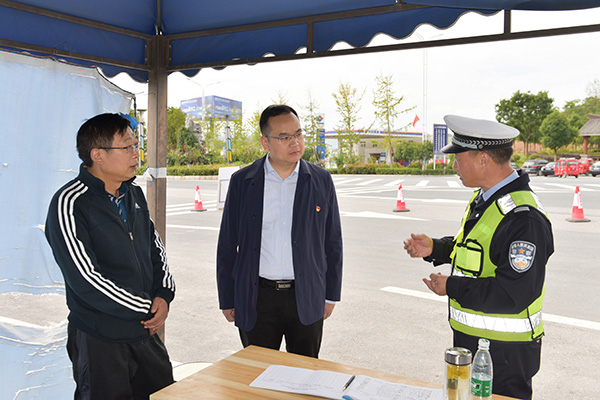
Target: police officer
x: 496, y: 285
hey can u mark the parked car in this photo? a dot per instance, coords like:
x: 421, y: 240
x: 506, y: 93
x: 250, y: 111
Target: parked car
x: 533, y: 167
x: 514, y: 165
x: 548, y: 169
x: 567, y: 166
x: 595, y: 169
x: 584, y: 165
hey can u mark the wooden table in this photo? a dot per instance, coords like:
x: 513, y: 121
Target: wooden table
x: 229, y: 379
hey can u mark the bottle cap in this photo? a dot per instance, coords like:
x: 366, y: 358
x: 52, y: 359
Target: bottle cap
x: 458, y: 356
x: 484, y: 344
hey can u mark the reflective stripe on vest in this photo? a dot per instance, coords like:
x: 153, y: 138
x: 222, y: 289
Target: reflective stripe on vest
x: 498, y: 324
x: 471, y: 259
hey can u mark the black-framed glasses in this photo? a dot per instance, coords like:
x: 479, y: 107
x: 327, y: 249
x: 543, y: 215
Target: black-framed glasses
x: 285, y: 139
x: 128, y: 149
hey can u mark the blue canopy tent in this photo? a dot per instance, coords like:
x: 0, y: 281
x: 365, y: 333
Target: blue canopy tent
x: 149, y: 39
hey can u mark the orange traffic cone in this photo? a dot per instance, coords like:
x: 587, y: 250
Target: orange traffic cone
x: 198, y: 201
x: 577, y: 214
x: 400, y: 204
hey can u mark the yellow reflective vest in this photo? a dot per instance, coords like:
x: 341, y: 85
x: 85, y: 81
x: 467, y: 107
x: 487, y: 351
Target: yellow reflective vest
x: 471, y: 258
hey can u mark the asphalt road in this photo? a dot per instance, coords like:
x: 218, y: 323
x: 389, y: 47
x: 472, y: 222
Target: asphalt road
x: 387, y: 319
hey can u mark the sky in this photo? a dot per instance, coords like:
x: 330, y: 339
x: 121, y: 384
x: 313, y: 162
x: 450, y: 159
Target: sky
x: 466, y: 80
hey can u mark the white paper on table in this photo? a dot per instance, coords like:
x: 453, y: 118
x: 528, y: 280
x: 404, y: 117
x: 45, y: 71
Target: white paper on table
x: 331, y: 385
x: 366, y: 388
x: 303, y: 381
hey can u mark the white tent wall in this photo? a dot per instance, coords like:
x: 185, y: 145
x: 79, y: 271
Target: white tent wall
x: 42, y: 105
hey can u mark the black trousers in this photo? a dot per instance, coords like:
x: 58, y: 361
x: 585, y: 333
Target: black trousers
x: 278, y: 318
x: 117, y: 371
x: 515, y: 364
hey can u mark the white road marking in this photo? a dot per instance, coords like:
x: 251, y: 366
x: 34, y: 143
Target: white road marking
x: 394, y: 183
x: 371, y: 214
x: 571, y: 187
x: 199, y: 228
x: 368, y: 182
x: 536, y: 188
x: 190, y: 211
x: 348, y: 180
x: 579, y: 323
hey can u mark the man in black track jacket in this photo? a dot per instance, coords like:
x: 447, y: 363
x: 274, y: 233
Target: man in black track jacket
x: 118, y: 284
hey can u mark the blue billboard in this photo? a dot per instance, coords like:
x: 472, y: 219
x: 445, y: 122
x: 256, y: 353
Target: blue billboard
x: 215, y: 106
x: 440, y: 138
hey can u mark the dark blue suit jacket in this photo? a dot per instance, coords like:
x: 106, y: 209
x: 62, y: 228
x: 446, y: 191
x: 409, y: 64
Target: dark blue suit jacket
x: 316, y: 243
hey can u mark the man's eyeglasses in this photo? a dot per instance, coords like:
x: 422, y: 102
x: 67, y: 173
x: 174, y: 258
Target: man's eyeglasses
x: 288, y: 138
x: 128, y: 149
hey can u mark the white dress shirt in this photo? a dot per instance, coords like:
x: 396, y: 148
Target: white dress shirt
x: 276, y: 262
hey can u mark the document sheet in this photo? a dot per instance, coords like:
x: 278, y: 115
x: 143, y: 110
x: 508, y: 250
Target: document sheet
x: 334, y: 385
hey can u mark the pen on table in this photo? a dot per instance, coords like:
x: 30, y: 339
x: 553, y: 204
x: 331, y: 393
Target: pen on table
x: 349, y: 382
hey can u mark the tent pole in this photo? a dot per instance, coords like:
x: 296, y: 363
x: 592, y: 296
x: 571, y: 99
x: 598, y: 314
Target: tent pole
x: 157, y: 135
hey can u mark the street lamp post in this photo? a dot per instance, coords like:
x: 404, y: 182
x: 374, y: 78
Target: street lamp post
x: 203, y: 90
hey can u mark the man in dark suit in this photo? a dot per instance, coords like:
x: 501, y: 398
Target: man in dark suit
x: 279, y: 257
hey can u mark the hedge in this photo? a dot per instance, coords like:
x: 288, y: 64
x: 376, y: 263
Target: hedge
x: 359, y: 169
x: 372, y: 169
x: 191, y: 170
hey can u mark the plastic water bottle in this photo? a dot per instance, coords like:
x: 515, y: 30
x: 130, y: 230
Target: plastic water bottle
x: 482, y: 372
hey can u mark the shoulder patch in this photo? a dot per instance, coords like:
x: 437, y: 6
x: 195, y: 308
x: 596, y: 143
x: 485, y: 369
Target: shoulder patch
x: 521, y: 208
x: 521, y: 255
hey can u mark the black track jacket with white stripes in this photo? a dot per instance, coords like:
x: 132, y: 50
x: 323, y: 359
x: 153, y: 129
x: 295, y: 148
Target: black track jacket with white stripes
x: 111, y: 274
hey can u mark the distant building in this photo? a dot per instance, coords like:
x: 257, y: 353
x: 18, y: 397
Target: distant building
x: 591, y: 128
x: 215, y: 106
x: 370, y: 144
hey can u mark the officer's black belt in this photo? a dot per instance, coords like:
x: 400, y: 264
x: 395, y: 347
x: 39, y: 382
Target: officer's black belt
x: 278, y: 285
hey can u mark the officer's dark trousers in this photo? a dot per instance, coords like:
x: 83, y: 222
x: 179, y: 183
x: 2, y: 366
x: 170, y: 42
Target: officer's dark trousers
x: 278, y: 317
x: 117, y: 371
x: 515, y: 363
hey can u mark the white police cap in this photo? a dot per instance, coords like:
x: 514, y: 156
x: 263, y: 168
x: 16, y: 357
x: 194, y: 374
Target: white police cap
x: 478, y: 134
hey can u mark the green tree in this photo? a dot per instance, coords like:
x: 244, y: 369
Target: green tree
x: 245, y: 145
x: 347, y: 101
x: 252, y: 126
x: 557, y: 132
x: 426, y: 152
x: 387, y: 110
x: 310, y: 122
x: 175, y: 125
x: 281, y: 99
x: 213, y: 129
x: 577, y: 111
x: 406, y: 151
x: 409, y: 151
x: 526, y: 112
x: 593, y: 89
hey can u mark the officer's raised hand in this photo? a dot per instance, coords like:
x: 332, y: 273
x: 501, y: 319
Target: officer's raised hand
x: 418, y: 245
x: 437, y: 283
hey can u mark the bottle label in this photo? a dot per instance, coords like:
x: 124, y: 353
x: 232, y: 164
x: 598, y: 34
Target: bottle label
x: 481, y: 387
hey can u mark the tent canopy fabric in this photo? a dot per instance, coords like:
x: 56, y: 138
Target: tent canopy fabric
x: 116, y: 35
